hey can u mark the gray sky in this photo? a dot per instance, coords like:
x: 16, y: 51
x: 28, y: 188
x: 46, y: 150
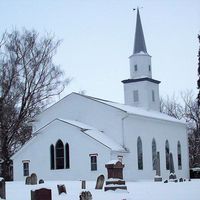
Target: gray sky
x: 98, y: 39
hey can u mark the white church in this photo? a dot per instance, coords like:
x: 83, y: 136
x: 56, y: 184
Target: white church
x: 74, y: 138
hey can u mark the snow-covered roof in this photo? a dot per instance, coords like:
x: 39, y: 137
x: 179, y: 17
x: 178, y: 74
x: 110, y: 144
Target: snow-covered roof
x: 139, y: 111
x: 90, y: 131
x: 95, y: 134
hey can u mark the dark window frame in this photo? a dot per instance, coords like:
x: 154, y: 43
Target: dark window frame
x: 26, y: 168
x: 93, y: 162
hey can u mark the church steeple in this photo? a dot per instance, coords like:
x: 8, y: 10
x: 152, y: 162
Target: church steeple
x: 141, y: 90
x: 139, y: 44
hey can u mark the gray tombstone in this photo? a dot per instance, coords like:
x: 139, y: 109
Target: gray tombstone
x: 85, y: 195
x: 41, y: 194
x: 83, y: 184
x: 28, y: 180
x: 33, y: 179
x: 2, y: 189
x: 172, y: 175
x: 61, y: 189
x: 41, y: 181
x: 158, y: 174
x: 100, y: 182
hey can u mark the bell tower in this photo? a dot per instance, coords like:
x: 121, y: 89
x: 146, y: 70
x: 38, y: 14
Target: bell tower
x: 140, y: 89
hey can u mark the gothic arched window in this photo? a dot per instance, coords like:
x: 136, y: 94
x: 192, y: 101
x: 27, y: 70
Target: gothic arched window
x: 59, y: 155
x: 67, y: 159
x: 179, y: 155
x: 167, y: 154
x: 154, y: 154
x: 52, y: 157
x: 139, y: 153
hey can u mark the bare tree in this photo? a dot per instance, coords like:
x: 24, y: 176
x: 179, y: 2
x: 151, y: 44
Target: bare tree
x: 28, y: 81
x: 189, y: 111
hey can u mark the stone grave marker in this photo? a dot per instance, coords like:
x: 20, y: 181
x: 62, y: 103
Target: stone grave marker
x: 172, y: 175
x: 100, y: 182
x: 2, y: 188
x: 33, y: 179
x: 115, y: 176
x: 158, y: 174
x: 61, y: 189
x: 85, y: 195
x: 180, y: 179
x: 83, y: 184
x: 41, y: 181
x: 41, y: 194
x: 28, y: 180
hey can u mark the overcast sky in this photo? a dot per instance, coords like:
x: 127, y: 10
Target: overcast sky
x: 98, y: 38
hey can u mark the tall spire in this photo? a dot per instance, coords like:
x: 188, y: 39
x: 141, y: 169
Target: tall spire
x: 139, y: 44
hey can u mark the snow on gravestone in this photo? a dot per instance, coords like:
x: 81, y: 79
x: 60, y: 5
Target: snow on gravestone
x: 41, y: 194
x: 172, y: 175
x: 100, y: 182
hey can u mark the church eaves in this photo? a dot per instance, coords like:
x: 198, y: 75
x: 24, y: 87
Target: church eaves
x: 139, y: 43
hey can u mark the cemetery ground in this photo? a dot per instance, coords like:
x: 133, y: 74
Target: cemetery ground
x: 144, y: 190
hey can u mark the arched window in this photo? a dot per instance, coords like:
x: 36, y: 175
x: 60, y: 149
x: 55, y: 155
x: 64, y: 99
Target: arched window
x: 52, y: 156
x: 59, y: 155
x: 67, y: 159
x: 179, y: 155
x: 139, y: 153
x: 167, y: 154
x: 154, y: 154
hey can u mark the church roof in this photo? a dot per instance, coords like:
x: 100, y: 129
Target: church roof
x: 139, y: 44
x: 95, y: 134
x: 139, y: 111
x: 90, y: 131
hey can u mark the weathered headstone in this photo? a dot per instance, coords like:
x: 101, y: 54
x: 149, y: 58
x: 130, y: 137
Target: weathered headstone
x: 41, y: 181
x: 61, y: 189
x: 41, y: 194
x: 180, y: 179
x: 33, y: 179
x: 115, y: 176
x: 100, y: 182
x: 28, y: 180
x: 2, y: 188
x: 85, y: 195
x: 83, y: 184
x: 172, y: 175
x: 158, y: 174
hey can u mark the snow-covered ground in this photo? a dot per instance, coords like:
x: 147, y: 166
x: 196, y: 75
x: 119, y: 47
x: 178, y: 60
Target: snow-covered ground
x: 136, y: 191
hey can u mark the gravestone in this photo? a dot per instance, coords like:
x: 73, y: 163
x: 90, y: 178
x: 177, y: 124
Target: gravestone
x: 158, y: 174
x: 100, y: 182
x: 33, y: 179
x: 85, y: 195
x: 61, y: 189
x: 2, y: 189
x: 83, y: 184
x: 172, y: 175
x: 115, y: 176
x: 28, y: 180
x: 41, y: 194
x: 180, y: 179
x: 41, y: 181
